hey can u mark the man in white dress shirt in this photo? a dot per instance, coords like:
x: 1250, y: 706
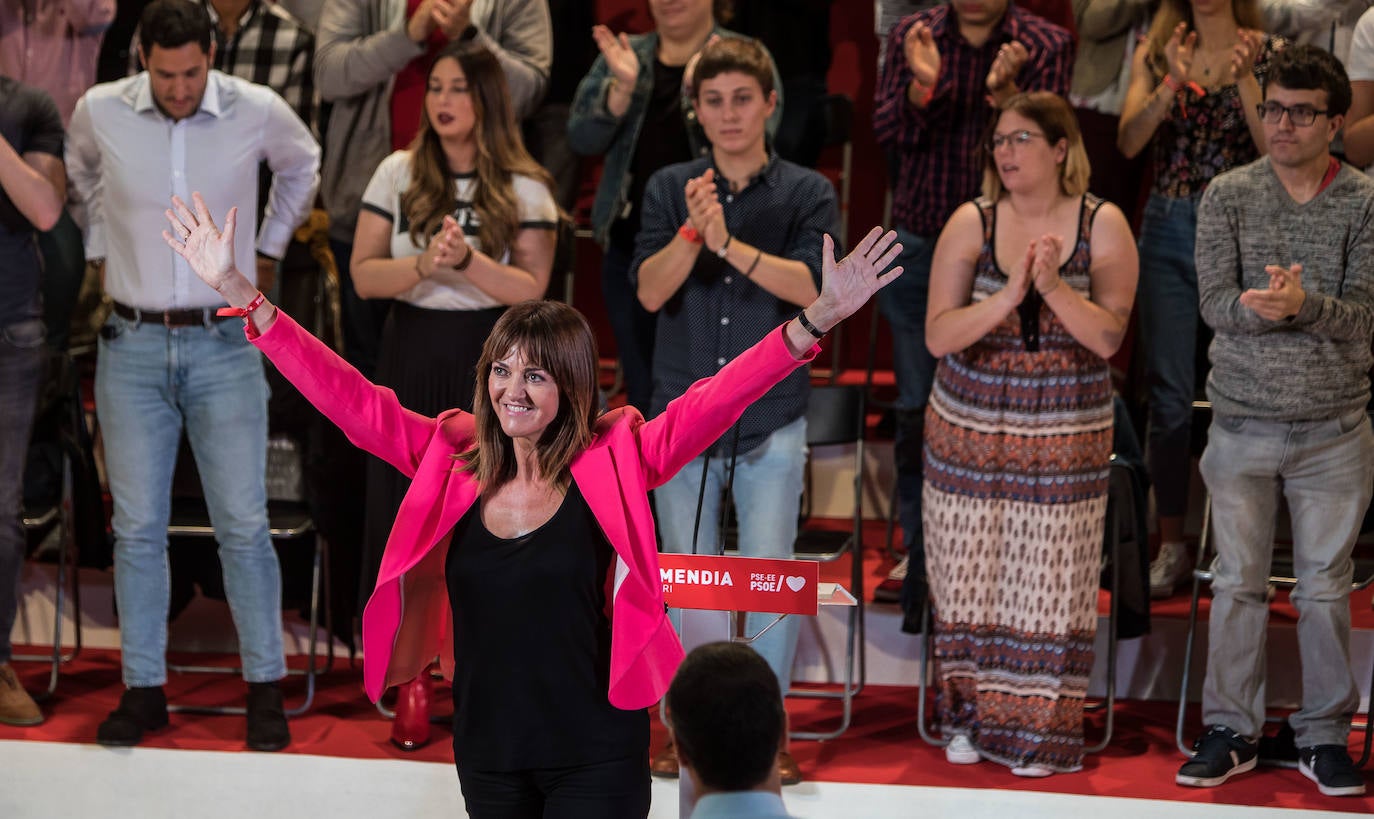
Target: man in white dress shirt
x: 167, y: 361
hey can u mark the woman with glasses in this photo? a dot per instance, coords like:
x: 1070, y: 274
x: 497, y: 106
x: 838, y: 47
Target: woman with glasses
x: 1195, y: 82
x: 1031, y: 290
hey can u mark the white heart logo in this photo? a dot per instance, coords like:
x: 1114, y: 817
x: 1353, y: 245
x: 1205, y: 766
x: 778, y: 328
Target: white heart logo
x: 796, y: 582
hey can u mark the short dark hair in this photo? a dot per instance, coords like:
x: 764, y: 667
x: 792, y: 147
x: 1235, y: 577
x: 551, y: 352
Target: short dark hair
x: 1308, y: 68
x: 173, y: 24
x: 737, y: 54
x: 725, y: 709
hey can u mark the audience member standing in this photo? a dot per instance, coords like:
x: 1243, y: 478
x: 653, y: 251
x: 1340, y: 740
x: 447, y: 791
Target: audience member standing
x: 1285, y: 270
x: 32, y: 188
x: 54, y: 45
x: 635, y: 107
x: 454, y: 228
x: 727, y: 248
x: 946, y: 70
x: 1358, y: 136
x: 166, y: 361
x: 1195, y: 86
x: 372, y: 58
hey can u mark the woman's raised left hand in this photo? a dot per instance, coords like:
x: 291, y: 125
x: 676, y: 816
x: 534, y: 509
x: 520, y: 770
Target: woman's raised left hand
x: 208, y: 250
x: 848, y: 284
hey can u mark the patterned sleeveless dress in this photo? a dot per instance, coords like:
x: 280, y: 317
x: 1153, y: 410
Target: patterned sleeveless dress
x: 1017, y: 443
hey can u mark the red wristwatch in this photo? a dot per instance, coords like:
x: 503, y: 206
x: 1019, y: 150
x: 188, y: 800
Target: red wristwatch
x: 690, y: 234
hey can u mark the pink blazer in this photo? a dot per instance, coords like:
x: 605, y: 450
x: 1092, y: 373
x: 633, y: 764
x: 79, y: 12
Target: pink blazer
x: 407, y: 621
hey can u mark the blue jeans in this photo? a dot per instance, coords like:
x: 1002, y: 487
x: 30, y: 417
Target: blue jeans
x: 632, y: 326
x: 21, y: 373
x: 1168, y: 335
x: 903, y: 304
x: 767, y: 494
x: 1324, y: 470
x: 151, y: 382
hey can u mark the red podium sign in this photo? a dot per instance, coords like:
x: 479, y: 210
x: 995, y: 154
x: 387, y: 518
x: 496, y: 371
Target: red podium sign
x: 739, y: 583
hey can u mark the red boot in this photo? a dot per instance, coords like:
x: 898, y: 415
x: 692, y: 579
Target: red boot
x: 410, y: 729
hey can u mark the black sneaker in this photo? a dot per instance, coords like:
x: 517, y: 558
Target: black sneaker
x: 140, y: 711
x: 1218, y: 755
x: 1330, y: 767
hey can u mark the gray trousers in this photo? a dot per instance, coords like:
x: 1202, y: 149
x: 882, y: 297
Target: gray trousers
x: 1324, y: 470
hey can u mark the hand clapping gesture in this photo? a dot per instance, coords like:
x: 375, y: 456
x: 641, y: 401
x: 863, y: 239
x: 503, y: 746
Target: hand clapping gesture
x: 1179, y: 51
x: 446, y: 249
x: 1001, y: 80
x: 1019, y: 280
x: 1244, y: 53
x: 922, y: 55
x: 1045, y: 266
x: 451, y: 16
x: 704, y: 212
x: 620, y: 58
x: 1285, y: 295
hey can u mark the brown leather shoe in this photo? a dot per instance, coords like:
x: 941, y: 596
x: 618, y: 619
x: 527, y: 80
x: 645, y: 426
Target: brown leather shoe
x: 16, y: 706
x: 665, y: 764
x: 788, y: 769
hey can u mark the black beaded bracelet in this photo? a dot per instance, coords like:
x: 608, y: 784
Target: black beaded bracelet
x: 809, y: 327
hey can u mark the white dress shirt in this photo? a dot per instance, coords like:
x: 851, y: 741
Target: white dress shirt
x: 126, y: 159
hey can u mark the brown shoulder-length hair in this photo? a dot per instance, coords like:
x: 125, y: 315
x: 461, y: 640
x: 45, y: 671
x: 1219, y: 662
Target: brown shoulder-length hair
x: 1172, y: 12
x: 557, y: 339
x: 1054, y: 116
x: 501, y: 153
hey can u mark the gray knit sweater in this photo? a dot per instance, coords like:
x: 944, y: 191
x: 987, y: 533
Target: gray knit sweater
x: 1314, y: 366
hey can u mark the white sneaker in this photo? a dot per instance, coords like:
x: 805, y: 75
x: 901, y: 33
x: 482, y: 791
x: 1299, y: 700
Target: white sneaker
x: 1032, y: 771
x: 960, y: 751
x: 1169, y: 569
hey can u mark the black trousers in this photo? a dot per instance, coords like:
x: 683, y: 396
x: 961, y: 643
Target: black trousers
x: 617, y: 789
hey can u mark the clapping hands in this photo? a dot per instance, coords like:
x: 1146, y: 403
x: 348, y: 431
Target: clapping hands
x: 704, y: 211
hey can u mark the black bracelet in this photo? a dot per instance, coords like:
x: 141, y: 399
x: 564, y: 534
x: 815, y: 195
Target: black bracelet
x: 753, y: 264
x: 809, y: 327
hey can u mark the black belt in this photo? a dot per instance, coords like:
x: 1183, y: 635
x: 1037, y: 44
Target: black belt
x: 190, y: 317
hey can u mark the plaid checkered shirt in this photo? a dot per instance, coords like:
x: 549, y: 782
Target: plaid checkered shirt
x: 939, y: 161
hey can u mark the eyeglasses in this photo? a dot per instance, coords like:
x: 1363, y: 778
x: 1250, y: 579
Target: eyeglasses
x: 1300, y: 115
x: 1016, y: 139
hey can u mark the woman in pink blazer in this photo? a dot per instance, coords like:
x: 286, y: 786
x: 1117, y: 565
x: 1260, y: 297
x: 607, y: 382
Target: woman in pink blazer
x: 526, y: 545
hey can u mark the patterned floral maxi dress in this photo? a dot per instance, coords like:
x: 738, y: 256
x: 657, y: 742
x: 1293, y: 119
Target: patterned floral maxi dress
x: 1017, y: 443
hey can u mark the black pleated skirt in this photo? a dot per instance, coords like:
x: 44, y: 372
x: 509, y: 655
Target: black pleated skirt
x: 429, y: 357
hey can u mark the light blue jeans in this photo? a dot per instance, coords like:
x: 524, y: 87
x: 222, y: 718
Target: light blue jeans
x: 767, y: 494
x: 1324, y: 470
x: 151, y: 382
x: 1168, y: 334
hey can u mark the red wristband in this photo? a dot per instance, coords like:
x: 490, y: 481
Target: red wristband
x: 690, y: 234
x: 243, y: 312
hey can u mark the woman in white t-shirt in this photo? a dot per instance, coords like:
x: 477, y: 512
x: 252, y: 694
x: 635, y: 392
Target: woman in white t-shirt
x: 454, y: 228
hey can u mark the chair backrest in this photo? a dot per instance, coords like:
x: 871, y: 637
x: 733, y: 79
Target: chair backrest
x: 835, y: 415
x: 838, y: 111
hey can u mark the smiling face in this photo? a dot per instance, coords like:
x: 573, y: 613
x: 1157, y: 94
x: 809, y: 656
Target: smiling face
x: 523, y: 396
x: 1293, y: 145
x: 979, y: 12
x: 1023, y: 156
x: 733, y: 111
x: 448, y: 101
x: 177, y: 77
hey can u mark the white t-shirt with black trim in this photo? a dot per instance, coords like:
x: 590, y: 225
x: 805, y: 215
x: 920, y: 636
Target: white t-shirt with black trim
x: 535, y: 208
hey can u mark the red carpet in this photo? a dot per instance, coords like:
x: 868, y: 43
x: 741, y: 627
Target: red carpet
x: 882, y: 747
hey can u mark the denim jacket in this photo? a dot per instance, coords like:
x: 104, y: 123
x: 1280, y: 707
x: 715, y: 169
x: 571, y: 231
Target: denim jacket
x: 593, y: 130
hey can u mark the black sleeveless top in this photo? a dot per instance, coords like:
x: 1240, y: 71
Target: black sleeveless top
x: 532, y: 646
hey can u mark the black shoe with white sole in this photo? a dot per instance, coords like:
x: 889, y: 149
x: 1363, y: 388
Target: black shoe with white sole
x: 1330, y: 767
x: 1218, y: 755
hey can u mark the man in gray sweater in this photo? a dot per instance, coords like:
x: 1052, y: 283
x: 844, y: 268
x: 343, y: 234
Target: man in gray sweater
x: 1285, y: 262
